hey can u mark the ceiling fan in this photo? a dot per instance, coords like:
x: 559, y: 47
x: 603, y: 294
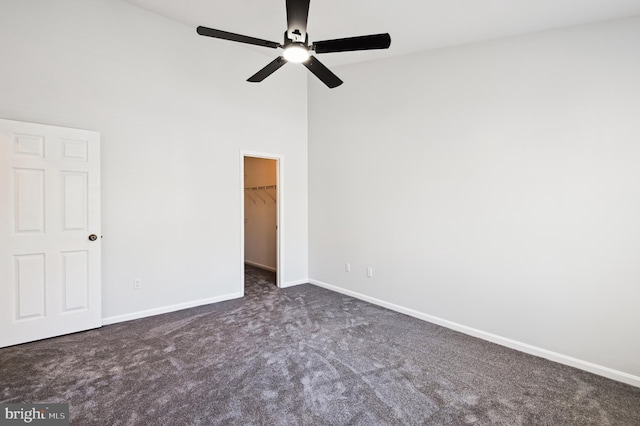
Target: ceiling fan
x: 296, y: 45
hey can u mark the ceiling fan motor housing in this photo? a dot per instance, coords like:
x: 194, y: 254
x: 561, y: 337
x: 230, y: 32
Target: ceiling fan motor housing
x: 296, y: 40
x: 296, y: 35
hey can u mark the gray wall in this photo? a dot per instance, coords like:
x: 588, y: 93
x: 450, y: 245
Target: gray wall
x: 493, y: 186
x: 174, y: 111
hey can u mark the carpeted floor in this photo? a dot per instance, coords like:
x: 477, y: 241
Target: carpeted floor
x: 302, y: 356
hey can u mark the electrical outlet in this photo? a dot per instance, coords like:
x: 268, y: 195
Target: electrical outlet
x: 137, y: 283
x: 347, y: 267
x: 369, y: 271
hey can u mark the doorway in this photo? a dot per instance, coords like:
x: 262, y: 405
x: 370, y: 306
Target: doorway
x: 260, y: 213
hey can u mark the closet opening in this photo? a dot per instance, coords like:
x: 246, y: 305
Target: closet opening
x: 260, y: 218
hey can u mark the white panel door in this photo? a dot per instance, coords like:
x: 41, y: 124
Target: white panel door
x: 49, y: 206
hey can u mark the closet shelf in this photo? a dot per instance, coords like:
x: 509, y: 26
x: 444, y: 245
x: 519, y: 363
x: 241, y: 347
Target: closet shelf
x: 256, y: 188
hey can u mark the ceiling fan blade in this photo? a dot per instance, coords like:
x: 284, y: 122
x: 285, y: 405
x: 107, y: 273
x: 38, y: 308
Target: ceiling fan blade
x: 297, y: 15
x: 210, y: 32
x: 368, y: 42
x: 268, y: 70
x: 322, y: 72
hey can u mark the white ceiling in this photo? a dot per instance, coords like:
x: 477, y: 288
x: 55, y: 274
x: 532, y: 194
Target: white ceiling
x: 414, y: 25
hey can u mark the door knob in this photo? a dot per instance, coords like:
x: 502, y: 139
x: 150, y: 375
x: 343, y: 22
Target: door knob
x: 93, y: 237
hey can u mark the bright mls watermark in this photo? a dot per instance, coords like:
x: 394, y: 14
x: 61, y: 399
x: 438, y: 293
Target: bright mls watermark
x: 34, y: 414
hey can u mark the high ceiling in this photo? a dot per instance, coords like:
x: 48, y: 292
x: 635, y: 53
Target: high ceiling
x: 414, y: 25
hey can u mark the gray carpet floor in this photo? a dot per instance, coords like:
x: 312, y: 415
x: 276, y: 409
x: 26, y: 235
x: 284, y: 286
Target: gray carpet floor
x: 302, y: 356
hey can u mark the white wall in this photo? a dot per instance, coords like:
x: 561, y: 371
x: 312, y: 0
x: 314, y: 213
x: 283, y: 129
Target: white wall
x: 494, y: 185
x: 174, y: 111
x: 261, y: 213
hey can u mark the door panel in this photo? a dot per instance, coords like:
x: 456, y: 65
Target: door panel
x: 30, y: 286
x: 75, y: 280
x: 74, y: 197
x: 29, y: 145
x: 50, y: 203
x: 29, y: 200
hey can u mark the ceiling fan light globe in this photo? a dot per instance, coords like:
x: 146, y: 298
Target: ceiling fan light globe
x: 296, y: 53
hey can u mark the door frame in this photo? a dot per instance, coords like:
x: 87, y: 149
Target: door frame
x: 279, y: 159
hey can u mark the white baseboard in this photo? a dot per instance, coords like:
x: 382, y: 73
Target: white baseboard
x: 513, y: 344
x: 294, y: 283
x: 260, y: 265
x: 166, y: 309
